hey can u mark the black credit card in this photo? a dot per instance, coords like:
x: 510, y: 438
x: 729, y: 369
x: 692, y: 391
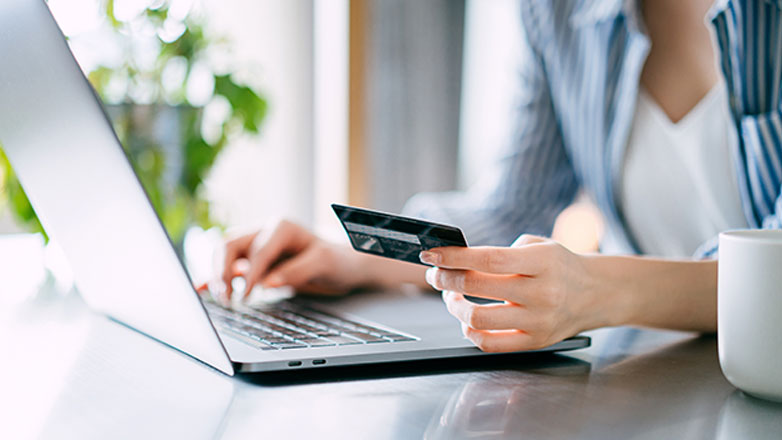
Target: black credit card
x: 394, y: 236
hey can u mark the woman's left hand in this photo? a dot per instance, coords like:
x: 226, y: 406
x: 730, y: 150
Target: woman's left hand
x: 548, y: 292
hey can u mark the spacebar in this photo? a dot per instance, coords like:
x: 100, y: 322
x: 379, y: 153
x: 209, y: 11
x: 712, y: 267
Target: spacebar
x: 342, y: 340
x: 367, y: 338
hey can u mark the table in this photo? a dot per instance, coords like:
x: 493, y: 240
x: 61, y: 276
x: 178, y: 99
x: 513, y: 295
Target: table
x: 70, y: 373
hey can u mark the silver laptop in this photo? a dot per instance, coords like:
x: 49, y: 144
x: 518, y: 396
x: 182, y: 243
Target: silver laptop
x: 59, y: 141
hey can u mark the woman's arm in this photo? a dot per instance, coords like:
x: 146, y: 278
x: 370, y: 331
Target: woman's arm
x: 287, y: 254
x: 651, y: 292
x: 550, y: 293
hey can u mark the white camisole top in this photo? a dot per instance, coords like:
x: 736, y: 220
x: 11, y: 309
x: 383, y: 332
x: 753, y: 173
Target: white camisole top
x: 679, y: 185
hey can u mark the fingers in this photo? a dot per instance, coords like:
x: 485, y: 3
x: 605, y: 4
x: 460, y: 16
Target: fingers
x: 285, y: 240
x: 500, y: 327
x: 532, y: 316
x: 489, y: 316
x: 527, y: 260
x: 297, y: 271
x: 234, y: 250
x: 501, y: 341
x: 491, y: 286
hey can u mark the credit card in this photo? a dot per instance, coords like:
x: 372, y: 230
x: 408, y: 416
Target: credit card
x: 395, y: 236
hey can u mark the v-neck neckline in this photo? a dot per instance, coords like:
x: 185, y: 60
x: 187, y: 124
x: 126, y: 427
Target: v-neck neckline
x: 682, y: 124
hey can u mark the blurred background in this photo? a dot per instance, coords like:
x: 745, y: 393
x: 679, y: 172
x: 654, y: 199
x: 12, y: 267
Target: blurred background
x: 235, y: 112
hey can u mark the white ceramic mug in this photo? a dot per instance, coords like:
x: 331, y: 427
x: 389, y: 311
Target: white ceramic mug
x: 749, y: 315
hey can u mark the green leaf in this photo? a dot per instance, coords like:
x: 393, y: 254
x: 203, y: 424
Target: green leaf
x: 248, y: 107
x: 100, y: 77
x: 157, y: 16
x: 110, y: 15
x: 177, y: 199
x: 20, y: 205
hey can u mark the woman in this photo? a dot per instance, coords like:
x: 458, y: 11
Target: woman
x: 666, y: 112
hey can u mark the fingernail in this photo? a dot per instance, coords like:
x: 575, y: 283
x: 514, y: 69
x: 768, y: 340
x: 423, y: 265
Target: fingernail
x: 430, y: 276
x: 429, y: 257
x: 274, y: 281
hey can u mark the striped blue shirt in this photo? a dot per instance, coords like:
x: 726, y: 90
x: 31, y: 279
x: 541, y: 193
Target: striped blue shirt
x: 579, y: 76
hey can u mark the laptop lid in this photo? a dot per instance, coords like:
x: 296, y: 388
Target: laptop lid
x: 80, y: 183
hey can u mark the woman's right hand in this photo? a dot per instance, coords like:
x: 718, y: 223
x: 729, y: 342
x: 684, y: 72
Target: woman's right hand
x: 290, y: 255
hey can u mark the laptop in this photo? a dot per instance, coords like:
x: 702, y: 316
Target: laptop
x: 62, y: 146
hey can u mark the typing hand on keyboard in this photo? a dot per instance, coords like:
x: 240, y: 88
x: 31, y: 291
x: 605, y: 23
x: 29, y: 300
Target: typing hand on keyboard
x: 289, y: 255
x: 259, y: 296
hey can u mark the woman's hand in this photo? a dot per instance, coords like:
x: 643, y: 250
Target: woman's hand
x: 549, y: 293
x: 289, y: 255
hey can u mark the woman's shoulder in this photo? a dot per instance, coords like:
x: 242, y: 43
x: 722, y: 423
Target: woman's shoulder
x: 570, y: 13
x: 550, y: 21
x: 557, y: 29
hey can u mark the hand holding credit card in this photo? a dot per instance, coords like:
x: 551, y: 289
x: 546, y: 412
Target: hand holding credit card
x: 395, y: 236
x: 401, y: 238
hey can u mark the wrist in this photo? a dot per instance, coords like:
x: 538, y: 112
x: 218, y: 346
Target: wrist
x: 606, y: 291
x: 365, y: 271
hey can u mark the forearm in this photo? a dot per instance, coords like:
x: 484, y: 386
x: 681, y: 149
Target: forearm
x: 621, y: 290
x: 654, y: 293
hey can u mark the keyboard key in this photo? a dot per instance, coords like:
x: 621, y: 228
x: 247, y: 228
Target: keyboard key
x: 291, y: 326
x: 283, y: 329
x: 363, y: 328
x: 342, y: 340
x: 311, y: 325
x: 400, y: 338
x: 387, y: 334
x: 276, y: 340
x: 291, y: 345
x: 369, y: 339
x: 284, y: 316
x: 316, y: 342
x: 311, y: 329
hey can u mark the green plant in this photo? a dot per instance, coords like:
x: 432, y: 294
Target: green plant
x: 15, y: 197
x: 140, y: 93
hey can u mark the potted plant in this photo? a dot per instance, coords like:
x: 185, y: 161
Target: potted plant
x: 172, y: 108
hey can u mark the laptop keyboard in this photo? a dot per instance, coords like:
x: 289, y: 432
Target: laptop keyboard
x: 288, y: 326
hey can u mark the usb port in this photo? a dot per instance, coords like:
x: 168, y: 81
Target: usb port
x: 294, y: 364
x: 319, y: 362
